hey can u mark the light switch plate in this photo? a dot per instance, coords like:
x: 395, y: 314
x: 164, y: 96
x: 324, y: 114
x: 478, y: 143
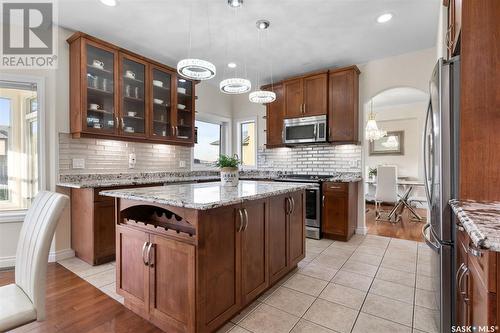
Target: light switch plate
x: 182, y: 164
x: 78, y: 163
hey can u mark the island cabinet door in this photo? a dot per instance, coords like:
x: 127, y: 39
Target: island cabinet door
x: 254, y: 273
x: 218, y: 278
x: 279, y: 207
x: 297, y: 228
x: 132, y: 272
x: 172, y: 284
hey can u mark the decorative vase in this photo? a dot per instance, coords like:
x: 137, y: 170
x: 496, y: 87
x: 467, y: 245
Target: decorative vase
x: 229, y: 176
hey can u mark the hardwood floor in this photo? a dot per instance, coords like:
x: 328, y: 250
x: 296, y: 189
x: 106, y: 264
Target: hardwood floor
x: 74, y: 305
x: 407, y: 229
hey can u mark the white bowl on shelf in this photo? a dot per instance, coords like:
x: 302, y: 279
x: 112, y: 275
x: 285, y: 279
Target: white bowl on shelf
x: 129, y: 129
x: 158, y: 83
x: 181, y: 106
x: 181, y: 91
x: 132, y: 113
x: 157, y: 101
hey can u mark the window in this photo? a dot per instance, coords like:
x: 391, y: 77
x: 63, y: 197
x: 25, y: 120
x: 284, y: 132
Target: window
x: 18, y: 145
x: 247, y: 143
x: 208, y: 143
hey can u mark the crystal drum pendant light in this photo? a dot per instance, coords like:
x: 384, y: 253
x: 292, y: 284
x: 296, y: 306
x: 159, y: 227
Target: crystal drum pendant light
x: 262, y: 96
x: 372, y: 132
x: 235, y: 85
x: 196, y: 69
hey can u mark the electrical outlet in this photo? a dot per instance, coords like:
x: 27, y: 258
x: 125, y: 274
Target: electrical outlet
x: 78, y: 163
x: 131, y: 160
x: 182, y: 164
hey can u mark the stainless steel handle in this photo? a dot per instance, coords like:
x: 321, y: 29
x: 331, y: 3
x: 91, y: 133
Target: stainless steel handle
x: 304, y: 108
x: 143, y: 250
x: 246, y: 218
x: 241, y: 220
x: 457, y: 276
x: 424, y: 149
x: 475, y: 252
x: 315, y: 133
x: 283, y: 135
x: 150, y: 261
x: 293, y: 205
x: 123, y: 123
x: 323, y: 201
x: 335, y: 187
x: 465, y: 270
x: 176, y: 130
x: 427, y: 239
x: 288, y: 206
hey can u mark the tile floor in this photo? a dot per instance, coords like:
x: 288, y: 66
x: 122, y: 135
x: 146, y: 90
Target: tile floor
x: 369, y: 284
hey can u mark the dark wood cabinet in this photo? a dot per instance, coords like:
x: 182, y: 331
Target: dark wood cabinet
x: 286, y: 234
x: 333, y: 93
x: 253, y: 249
x: 343, y: 96
x: 476, y: 283
x: 93, y: 224
x: 293, y: 92
x: 306, y: 96
x: 275, y: 113
x: 339, y: 203
x: 297, y: 228
x: 132, y: 272
x: 315, y: 95
x: 118, y: 94
x: 187, y: 270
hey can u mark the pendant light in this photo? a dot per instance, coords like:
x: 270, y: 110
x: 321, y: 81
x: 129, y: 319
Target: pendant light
x: 192, y: 68
x: 372, y: 132
x: 262, y: 96
x: 235, y: 85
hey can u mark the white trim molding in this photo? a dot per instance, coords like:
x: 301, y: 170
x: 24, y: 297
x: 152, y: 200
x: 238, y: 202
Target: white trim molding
x: 55, y: 256
x: 361, y: 230
x: 14, y: 216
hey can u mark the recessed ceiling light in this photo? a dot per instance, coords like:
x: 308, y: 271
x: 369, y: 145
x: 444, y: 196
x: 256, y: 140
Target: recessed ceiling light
x: 384, y: 18
x: 110, y: 3
x: 231, y: 65
x: 262, y: 24
x: 235, y: 3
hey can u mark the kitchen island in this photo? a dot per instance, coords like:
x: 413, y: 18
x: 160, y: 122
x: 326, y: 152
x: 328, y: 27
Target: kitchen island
x: 191, y: 256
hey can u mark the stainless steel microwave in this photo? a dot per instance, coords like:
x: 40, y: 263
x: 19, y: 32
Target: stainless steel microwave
x: 304, y: 130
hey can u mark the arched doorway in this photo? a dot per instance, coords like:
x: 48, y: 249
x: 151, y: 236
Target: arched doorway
x: 400, y: 112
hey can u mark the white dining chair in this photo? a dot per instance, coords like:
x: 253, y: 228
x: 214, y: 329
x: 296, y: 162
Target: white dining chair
x: 386, y: 191
x: 24, y: 301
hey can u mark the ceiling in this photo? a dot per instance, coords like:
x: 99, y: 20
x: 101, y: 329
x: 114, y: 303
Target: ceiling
x: 305, y: 35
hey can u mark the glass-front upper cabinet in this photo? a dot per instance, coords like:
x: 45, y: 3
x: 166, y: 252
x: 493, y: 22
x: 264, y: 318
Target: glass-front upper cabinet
x: 184, y: 125
x: 161, y: 104
x: 100, y: 101
x: 133, y: 96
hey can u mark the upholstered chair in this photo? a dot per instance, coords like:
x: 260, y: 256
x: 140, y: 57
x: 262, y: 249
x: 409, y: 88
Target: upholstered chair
x: 387, y: 189
x: 24, y: 300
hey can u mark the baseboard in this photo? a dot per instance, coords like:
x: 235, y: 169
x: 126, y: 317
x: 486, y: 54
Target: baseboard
x: 61, y: 254
x: 362, y: 231
x: 7, y: 262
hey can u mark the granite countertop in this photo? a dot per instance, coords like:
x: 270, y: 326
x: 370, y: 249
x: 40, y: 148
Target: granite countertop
x: 206, y: 195
x: 481, y: 220
x: 143, y: 178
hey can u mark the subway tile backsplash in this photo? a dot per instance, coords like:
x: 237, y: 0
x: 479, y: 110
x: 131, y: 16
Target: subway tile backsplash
x: 311, y: 159
x: 110, y: 156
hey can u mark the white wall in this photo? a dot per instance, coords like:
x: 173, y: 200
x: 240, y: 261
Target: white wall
x: 409, y: 118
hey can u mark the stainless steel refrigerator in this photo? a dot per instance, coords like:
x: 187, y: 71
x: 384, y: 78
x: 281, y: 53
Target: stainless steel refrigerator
x: 440, y: 144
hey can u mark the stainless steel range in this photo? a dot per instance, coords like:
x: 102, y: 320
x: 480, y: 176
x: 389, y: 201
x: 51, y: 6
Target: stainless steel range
x: 313, y: 201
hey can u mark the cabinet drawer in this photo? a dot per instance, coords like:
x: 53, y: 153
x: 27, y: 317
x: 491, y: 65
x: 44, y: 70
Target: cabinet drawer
x: 335, y: 187
x: 484, y: 262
